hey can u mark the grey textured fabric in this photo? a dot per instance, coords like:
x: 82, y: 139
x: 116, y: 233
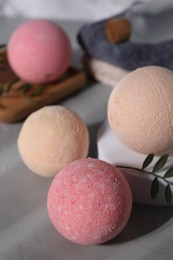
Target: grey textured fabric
x: 127, y: 55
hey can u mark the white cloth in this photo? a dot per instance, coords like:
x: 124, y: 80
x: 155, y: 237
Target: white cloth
x: 78, y: 9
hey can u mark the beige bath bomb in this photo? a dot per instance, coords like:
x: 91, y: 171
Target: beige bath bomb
x: 140, y: 110
x: 52, y: 137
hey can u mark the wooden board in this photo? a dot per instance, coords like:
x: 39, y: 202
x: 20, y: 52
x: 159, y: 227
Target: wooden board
x: 18, y: 98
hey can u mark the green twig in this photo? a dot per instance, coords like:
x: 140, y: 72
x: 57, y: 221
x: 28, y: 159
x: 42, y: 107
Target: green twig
x: 161, y: 162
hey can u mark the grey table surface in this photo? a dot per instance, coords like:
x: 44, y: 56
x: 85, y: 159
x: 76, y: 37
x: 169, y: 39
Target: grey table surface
x: 25, y: 230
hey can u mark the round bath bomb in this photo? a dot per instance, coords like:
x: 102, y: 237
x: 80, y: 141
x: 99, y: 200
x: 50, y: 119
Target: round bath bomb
x: 50, y: 138
x: 39, y: 51
x: 140, y: 110
x: 89, y: 201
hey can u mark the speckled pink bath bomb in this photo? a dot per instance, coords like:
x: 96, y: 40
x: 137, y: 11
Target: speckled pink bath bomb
x: 89, y: 201
x: 39, y: 51
x: 140, y: 110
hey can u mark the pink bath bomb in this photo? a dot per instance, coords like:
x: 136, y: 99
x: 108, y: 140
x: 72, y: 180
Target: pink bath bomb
x: 89, y: 201
x: 39, y: 51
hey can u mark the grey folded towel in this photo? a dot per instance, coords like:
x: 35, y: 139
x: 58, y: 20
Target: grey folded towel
x: 127, y: 55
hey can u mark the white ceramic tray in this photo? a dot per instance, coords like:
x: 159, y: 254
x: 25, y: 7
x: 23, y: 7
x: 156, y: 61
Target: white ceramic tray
x: 148, y: 184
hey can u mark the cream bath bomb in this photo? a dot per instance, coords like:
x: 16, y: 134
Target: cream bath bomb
x: 140, y: 110
x: 89, y: 201
x: 52, y: 137
x: 39, y: 51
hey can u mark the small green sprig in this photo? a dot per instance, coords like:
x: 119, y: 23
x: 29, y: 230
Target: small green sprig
x: 25, y: 89
x: 160, y: 164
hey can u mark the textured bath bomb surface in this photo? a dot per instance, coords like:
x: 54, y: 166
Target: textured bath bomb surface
x: 140, y: 110
x: 52, y: 137
x: 39, y: 51
x: 89, y: 201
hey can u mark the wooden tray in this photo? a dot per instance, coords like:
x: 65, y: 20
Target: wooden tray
x: 18, y: 98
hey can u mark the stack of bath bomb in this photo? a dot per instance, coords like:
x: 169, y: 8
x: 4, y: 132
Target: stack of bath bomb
x: 89, y: 201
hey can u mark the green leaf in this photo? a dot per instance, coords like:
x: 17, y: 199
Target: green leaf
x: 37, y: 91
x: 25, y: 87
x: 160, y: 163
x: 169, y: 173
x: 154, y: 188
x: 168, y: 195
x: 147, y: 161
x: 10, y: 85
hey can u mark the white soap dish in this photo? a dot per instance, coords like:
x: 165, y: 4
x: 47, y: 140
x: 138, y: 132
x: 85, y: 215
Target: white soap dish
x: 151, y: 182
